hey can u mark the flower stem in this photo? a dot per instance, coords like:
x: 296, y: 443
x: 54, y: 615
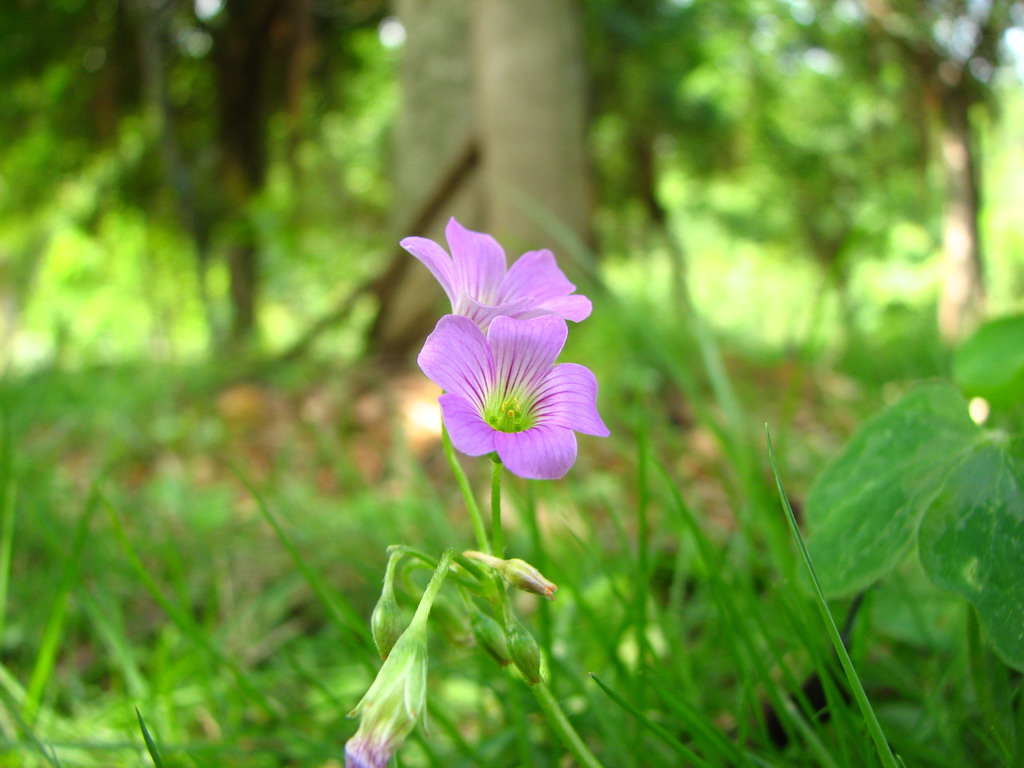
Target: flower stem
x: 497, y: 537
x: 482, y: 542
x: 548, y: 703
x: 563, y: 728
x: 436, y: 580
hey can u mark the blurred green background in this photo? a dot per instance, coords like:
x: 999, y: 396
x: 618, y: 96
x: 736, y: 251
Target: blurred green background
x: 785, y: 211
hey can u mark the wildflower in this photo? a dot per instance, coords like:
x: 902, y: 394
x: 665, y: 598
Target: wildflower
x: 481, y: 288
x: 518, y: 573
x: 504, y: 393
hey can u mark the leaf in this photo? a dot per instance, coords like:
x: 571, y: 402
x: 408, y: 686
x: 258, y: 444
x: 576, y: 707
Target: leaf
x: 972, y: 540
x: 990, y: 364
x: 865, y: 507
x: 151, y: 747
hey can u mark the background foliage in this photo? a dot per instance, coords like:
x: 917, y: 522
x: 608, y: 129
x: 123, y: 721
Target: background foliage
x: 193, y: 521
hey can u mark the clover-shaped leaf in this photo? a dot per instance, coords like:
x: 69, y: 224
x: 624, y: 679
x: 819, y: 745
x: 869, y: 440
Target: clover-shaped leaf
x: 922, y: 471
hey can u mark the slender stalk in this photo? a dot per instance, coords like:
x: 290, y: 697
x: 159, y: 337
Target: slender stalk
x: 539, y: 560
x: 433, y: 587
x: 563, y: 728
x: 549, y: 705
x: 497, y: 536
x: 482, y: 542
x: 6, y: 545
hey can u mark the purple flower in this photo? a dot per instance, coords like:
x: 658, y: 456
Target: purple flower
x: 504, y: 393
x: 480, y: 286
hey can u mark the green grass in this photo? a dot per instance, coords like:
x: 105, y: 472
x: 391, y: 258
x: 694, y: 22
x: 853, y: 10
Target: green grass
x: 165, y: 558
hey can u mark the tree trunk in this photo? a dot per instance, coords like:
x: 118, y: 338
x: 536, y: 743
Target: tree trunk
x: 962, y: 301
x: 152, y: 23
x: 531, y: 113
x: 244, y: 51
x: 434, y: 134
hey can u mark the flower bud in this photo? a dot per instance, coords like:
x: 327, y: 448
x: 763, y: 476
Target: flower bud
x: 386, y: 622
x: 518, y: 573
x: 390, y: 707
x: 490, y: 637
x: 521, y: 574
x: 522, y: 648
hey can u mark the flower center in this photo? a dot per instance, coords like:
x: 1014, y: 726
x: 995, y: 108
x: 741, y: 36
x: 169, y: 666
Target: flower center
x: 508, y: 415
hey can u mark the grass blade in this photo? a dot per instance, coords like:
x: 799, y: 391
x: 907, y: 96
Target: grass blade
x: 12, y: 698
x: 671, y: 741
x: 50, y: 644
x: 8, y: 496
x: 340, y: 612
x: 181, y: 619
x: 874, y: 727
x: 151, y: 747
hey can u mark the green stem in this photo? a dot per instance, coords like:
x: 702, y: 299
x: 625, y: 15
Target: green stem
x: 477, y: 519
x: 497, y: 537
x: 427, y: 601
x: 563, y: 728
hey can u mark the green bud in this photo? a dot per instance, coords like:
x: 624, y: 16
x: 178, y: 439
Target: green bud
x: 524, y: 576
x: 518, y: 573
x: 490, y: 637
x: 386, y: 622
x: 522, y: 648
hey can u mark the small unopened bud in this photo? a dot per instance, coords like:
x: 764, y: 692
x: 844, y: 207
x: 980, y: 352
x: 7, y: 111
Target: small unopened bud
x: 518, y: 573
x: 490, y: 637
x: 522, y: 648
x: 521, y: 574
x: 386, y: 622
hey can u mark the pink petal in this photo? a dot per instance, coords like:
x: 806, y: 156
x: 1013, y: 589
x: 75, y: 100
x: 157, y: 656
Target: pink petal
x: 469, y: 432
x: 479, y: 262
x: 576, y: 307
x: 535, y: 274
x: 483, y: 314
x: 525, y: 350
x: 456, y: 357
x: 542, y: 452
x: 434, y: 258
x: 568, y: 398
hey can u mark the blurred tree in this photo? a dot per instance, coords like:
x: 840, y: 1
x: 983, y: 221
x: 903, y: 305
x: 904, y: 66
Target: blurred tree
x: 952, y: 47
x: 208, y: 77
x: 827, y: 118
x: 529, y: 93
x: 649, y: 111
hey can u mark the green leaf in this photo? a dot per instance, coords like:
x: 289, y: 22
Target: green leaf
x: 151, y: 747
x: 990, y: 364
x: 865, y: 507
x: 972, y: 540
